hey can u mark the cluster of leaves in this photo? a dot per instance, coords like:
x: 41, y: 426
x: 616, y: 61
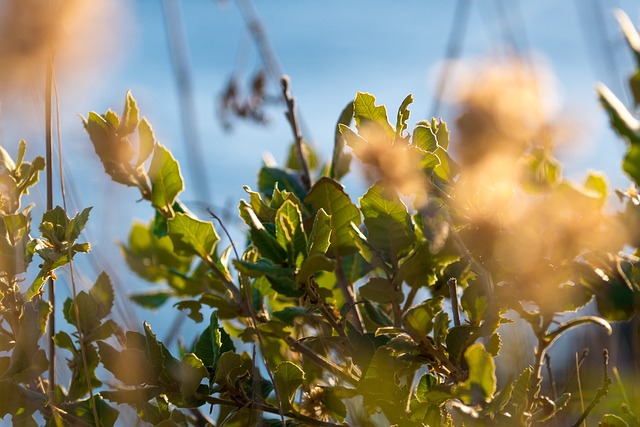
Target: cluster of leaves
x: 23, y: 312
x: 384, y: 311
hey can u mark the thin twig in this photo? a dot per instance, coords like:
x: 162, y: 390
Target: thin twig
x: 583, y: 356
x: 217, y: 218
x: 292, y: 117
x: 179, y: 52
x: 453, y: 294
x: 83, y: 352
x: 49, y: 163
x: 552, y: 381
x: 453, y: 49
x: 347, y: 292
x: 321, y: 361
x: 268, y: 408
x: 602, y: 391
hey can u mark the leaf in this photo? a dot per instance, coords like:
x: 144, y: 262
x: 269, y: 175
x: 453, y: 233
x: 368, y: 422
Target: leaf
x: 63, y: 340
x: 320, y: 237
x: 329, y: 195
x: 364, y: 110
x: 151, y: 300
x: 289, y: 232
x: 264, y: 241
x: 418, y: 320
x: 129, y: 116
x: 381, y: 291
x: 147, y: 141
x: 166, y: 179
x: 288, y: 377
x: 192, y: 373
x: 269, y: 177
x: 458, y: 338
x: 131, y: 366
x: 519, y: 397
x: 289, y: 314
x: 313, y: 264
x: 32, y: 326
x: 208, y: 345
x: 424, y: 138
x: 102, y: 294
x: 377, y: 315
x: 76, y: 225
x: 83, y: 411
x: 263, y: 267
x: 264, y: 212
x: 390, y: 228
x: 481, y: 384
x: 340, y: 160
x: 190, y: 235
x: 403, y: 116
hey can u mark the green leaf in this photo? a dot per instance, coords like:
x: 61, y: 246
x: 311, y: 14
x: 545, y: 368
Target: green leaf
x: 151, y: 300
x: 597, y: 184
x: 364, y: 110
x: 209, y: 343
x: 458, y: 338
x: 264, y: 241
x: 63, y: 340
x: 381, y: 291
x: 288, y: 377
x: 76, y: 225
x: 329, y: 195
x: 32, y: 326
x: 263, y: 267
x: 519, y: 397
x: 320, y: 237
x: 377, y: 315
x: 131, y: 366
x: 289, y: 232
x: 190, y: 235
x: 129, y: 116
x: 481, y: 384
x: 102, y: 294
x: 193, y: 372
x: 403, y: 116
x: 269, y: 177
x: 341, y: 161
x: 390, y: 228
x: 424, y: 138
x: 147, y: 141
x: 418, y: 320
x: 82, y: 411
x: 166, y: 179
x: 313, y: 264
x: 289, y: 314
x: 264, y: 212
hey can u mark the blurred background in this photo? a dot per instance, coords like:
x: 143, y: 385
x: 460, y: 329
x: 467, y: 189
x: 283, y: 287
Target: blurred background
x: 205, y: 74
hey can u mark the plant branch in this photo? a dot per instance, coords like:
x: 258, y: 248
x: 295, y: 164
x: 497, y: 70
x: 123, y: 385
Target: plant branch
x: 602, y: 391
x: 49, y: 163
x: 268, y: 408
x: 453, y: 294
x: 292, y: 117
x: 347, y: 292
x: 552, y: 381
x: 83, y: 351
